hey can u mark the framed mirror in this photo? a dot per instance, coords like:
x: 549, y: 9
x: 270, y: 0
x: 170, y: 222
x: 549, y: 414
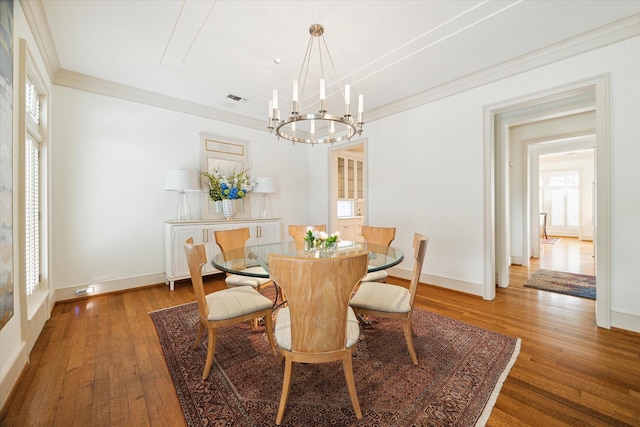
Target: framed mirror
x: 225, y: 155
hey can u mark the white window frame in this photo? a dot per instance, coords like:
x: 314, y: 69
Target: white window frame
x: 546, y: 191
x: 32, y: 141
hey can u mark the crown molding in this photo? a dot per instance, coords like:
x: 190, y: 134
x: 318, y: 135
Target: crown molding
x: 606, y: 35
x: 609, y: 34
x: 87, y: 83
x: 37, y: 21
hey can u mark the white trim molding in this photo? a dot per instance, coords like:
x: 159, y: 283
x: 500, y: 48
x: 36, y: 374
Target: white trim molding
x: 497, y: 120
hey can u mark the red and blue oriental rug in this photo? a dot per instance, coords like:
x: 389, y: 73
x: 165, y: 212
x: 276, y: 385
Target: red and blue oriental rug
x: 460, y: 373
x: 578, y: 285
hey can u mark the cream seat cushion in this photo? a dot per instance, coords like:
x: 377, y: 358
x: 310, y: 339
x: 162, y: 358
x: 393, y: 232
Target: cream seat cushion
x: 375, y: 276
x: 235, y: 302
x: 382, y: 297
x: 283, y: 328
x: 239, y: 280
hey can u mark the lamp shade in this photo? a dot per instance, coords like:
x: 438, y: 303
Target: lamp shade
x: 182, y: 180
x: 265, y: 185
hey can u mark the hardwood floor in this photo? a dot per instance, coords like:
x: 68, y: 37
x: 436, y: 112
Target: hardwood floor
x: 567, y: 254
x: 98, y: 361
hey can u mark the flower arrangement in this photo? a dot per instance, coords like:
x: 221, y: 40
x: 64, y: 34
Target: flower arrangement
x: 320, y: 239
x: 232, y: 186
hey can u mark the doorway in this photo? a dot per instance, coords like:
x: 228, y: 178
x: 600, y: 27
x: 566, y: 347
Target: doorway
x: 565, y: 193
x: 563, y: 187
x: 589, y: 95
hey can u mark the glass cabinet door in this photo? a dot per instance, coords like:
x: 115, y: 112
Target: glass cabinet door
x: 341, y: 176
x: 360, y: 179
x: 351, y: 179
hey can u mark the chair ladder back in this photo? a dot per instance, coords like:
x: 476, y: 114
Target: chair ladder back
x: 297, y: 232
x: 420, y: 243
x: 196, y: 259
x: 318, y: 292
x: 230, y: 241
x: 382, y: 236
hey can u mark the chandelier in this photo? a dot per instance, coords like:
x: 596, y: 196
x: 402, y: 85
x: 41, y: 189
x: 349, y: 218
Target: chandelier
x: 321, y: 127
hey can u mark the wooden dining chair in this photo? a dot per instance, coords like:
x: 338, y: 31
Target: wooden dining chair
x: 318, y: 325
x: 229, y: 240
x: 382, y: 236
x: 225, y: 307
x: 387, y: 300
x: 299, y: 231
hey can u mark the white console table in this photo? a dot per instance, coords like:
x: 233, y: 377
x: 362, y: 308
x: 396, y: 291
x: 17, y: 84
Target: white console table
x: 177, y: 232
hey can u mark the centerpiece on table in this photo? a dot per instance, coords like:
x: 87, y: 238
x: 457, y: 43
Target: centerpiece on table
x: 225, y: 189
x: 322, y: 243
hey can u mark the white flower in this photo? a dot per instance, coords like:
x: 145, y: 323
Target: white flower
x: 322, y: 235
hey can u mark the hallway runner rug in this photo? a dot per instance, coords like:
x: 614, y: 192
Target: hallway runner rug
x: 578, y: 285
x: 460, y: 373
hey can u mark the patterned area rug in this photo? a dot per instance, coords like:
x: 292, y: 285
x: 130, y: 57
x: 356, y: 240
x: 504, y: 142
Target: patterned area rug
x: 462, y: 368
x: 579, y: 285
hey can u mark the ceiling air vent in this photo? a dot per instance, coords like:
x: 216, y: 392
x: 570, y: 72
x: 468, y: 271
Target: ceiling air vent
x: 237, y: 98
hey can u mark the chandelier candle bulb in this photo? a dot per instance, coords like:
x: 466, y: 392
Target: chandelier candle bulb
x: 360, y: 102
x: 300, y: 126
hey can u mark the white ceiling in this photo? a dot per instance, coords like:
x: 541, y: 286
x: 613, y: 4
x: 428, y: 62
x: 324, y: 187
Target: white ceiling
x: 390, y: 51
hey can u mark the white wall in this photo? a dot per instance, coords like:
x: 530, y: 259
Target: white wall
x: 426, y: 173
x: 109, y: 163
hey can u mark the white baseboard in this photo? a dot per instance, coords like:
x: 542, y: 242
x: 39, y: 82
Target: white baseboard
x: 517, y: 260
x: 627, y: 321
x: 620, y: 320
x: 63, y: 294
x: 443, y: 282
x: 11, y: 372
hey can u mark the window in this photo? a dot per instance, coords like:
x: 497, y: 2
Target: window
x: 32, y: 186
x: 561, y: 198
x: 345, y: 208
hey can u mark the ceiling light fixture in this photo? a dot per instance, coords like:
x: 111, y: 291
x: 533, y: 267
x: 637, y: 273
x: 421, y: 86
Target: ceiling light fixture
x: 320, y: 127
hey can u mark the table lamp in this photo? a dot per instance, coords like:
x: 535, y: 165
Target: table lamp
x: 182, y: 181
x: 265, y: 185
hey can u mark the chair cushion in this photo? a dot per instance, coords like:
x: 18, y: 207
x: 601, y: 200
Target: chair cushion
x: 382, y: 297
x: 235, y: 302
x: 283, y: 328
x: 239, y: 280
x: 375, y: 276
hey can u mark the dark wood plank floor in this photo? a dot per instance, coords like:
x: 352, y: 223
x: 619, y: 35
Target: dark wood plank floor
x: 98, y: 361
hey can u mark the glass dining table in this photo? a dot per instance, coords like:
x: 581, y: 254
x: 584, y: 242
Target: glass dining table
x: 243, y: 261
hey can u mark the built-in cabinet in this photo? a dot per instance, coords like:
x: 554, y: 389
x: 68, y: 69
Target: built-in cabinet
x: 350, y: 228
x: 176, y: 233
x: 350, y: 177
